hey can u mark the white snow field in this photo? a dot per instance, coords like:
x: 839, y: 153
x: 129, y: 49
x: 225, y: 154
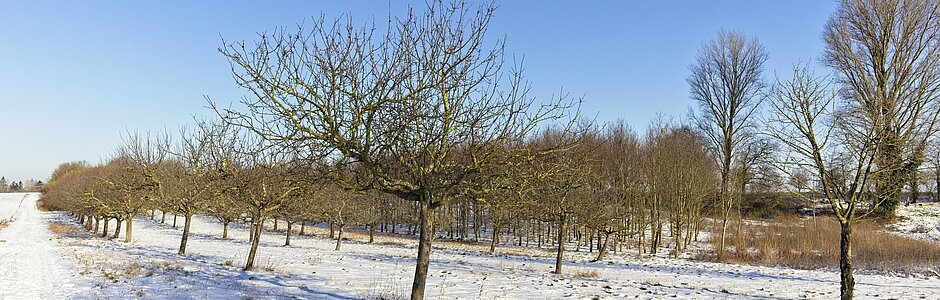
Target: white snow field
x: 920, y: 221
x: 310, y: 269
x: 42, y: 266
x: 31, y: 266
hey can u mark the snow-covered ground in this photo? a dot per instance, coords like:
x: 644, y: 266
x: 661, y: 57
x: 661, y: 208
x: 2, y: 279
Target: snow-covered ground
x: 310, y: 269
x: 919, y: 221
x: 31, y: 265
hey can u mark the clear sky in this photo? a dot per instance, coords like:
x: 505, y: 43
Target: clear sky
x: 75, y: 75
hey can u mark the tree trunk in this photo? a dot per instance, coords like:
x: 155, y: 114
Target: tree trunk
x: 847, y: 289
x: 372, y: 233
x: 128, y: 235
x: 104, y: 229
x: 339, y: 237
x: 117, y: 228
x: 602, y: 245
x: 255, y: 235
x: 275, y: 224
x: 332, y: 231
x: 495, y: 238
x: 251, y: 231
x: 174, y: 220
x: 289, y: 227
x: 163, y: 217
x: 187, y: 220
x: 153, y: 213
x: 302, y: 225
x: 424, y: 249
x: 225, y: 230
x: 97, y: 223
x: 721, y: 243
x: 559, y: 255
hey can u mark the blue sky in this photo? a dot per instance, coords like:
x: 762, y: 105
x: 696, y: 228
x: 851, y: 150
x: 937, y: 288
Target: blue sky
x: 76, y: 75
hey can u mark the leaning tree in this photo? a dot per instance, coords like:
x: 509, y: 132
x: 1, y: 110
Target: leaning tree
x: 417, y: 107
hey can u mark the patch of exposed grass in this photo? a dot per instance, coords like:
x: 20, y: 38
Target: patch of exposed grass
x: 587, y: 274
x: 66, y: 230
x: 814, y: 243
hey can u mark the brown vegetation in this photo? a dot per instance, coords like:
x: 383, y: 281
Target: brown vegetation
x: 809, y: 243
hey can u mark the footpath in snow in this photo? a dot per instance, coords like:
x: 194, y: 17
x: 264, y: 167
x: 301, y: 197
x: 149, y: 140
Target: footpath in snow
x: 31, y: 266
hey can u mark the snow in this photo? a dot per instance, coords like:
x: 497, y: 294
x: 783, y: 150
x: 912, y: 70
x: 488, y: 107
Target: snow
x: 30, y: 263
x: 310, y: 269
x: 920, y: 221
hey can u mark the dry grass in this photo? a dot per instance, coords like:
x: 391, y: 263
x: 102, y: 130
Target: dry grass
x: 4, y: 223
x: 66, y: 230
x: 587, y: 274
x: 804, y: 243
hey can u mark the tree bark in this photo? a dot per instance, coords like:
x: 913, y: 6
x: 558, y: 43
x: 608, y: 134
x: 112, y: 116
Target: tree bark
x: 225, y: 230
x: 117, y: 228
x: 104, y: 230
x: 372, y: 233
x: 302, y: 226
x: 847, y: 288
x: 559, y: 255
x: 602, y: 245
x: 424, y: 249
x: 339, y: 237
x: 187, y: 220
x: 163, y: 217
x: 494, y: 239
x: 255, y: 235
x: 128, y: 235
x: 289, y: 228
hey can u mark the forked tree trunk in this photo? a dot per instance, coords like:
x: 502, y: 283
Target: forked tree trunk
x: 561, y: 243
x: 130, y: 228
x: 339, y: 237
x: 847, y: 289
x: 117, y: 228
x: 187, y: 221
x: 424, y: 249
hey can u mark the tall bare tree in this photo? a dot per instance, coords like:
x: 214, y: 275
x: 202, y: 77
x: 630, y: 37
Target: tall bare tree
x: 837, y: 148
x: 887, y: 53
x: 726, y: 83
x: 417, y: 110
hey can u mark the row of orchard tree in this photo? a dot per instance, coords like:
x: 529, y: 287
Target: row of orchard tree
x: 422, y: 124
x: 606, y: 186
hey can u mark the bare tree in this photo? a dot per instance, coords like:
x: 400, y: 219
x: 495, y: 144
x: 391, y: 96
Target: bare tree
x: 887, y: 54
x: 193, y: 175
x: 839, y: 148
x: 417, y: 110
x: 726, y: 83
